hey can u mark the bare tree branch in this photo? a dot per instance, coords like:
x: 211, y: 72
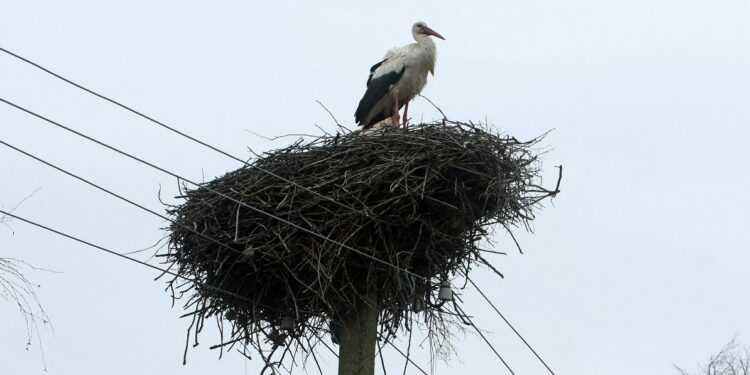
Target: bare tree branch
x: 730, y: 360
x: 17, y: 289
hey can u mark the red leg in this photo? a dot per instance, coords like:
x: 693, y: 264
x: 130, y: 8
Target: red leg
x: 395, y: 119
x: 406, y: 109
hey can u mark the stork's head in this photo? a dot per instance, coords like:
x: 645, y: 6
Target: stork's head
x: 420, y: 28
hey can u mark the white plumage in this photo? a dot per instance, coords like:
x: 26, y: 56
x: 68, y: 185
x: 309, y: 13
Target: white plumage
x: 397, y: 79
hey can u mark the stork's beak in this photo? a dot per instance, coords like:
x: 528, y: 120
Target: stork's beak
x: 429, y: 31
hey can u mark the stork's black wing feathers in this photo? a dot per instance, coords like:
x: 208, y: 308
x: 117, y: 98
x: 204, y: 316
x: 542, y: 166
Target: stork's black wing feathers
x: 372, y: 70
x: 376, y: 89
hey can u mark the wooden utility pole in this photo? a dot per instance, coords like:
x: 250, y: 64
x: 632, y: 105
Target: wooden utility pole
x: 358, y: 335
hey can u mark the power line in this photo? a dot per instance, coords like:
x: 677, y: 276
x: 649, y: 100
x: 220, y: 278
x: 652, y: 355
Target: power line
x: 112, y: 252
x: 509, y: 325
x: 172, y: 129
x: 90, y: 244
x: 252, y: 208
x: 71, y: 174
x: 407, y: 357
x: 485, y: 339
x: 387, y: 342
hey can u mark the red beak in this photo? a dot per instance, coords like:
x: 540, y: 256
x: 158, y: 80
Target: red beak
x: 429, y: 31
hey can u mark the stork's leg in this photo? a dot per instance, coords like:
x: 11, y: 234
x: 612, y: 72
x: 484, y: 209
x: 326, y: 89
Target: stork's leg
x: 406, y: 110
x: 395, y: 118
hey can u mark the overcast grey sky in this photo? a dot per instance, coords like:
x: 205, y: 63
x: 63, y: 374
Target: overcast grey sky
x: 640, y: 263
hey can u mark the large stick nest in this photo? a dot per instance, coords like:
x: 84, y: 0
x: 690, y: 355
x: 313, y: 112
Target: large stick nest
x: 416, y: 201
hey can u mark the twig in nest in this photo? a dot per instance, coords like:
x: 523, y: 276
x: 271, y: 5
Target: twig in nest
x: 334, y: 117
x: 445, y: 118
x: 279, y: 136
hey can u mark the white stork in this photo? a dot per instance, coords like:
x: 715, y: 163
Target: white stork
x: 397, y: 79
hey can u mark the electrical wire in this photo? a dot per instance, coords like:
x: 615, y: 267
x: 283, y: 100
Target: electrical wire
x: 407, y: 357
x: 118, y: 196
x: 510, y: 325
x: 485, y: 339
x: 123, y: 256
x: 174, y: 130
